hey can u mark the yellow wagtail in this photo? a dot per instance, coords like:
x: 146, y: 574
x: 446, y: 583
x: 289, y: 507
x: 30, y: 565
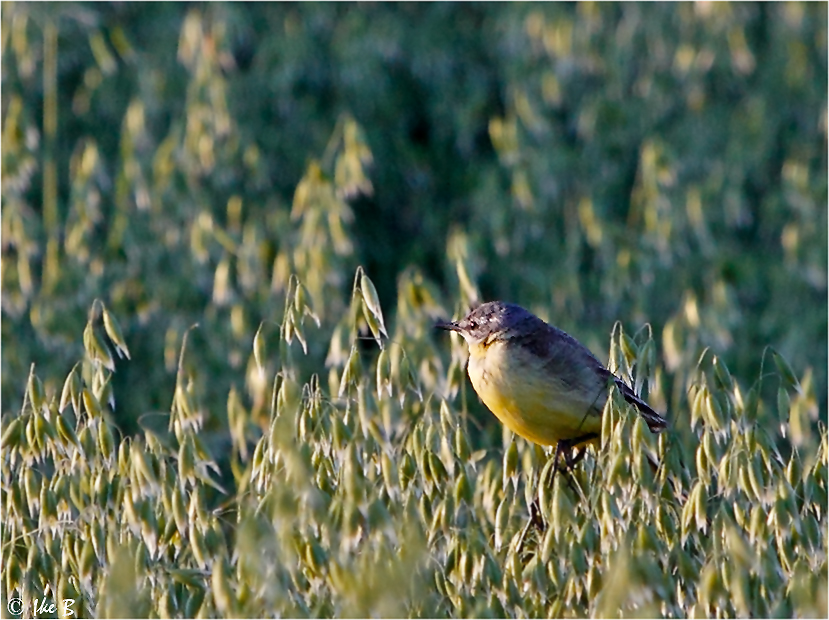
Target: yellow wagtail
x: 543, y: 384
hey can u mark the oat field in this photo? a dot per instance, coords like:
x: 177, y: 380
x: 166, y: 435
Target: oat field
x: 229, y: 229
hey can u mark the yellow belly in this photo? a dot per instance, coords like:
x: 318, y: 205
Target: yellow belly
x: 530, y: 402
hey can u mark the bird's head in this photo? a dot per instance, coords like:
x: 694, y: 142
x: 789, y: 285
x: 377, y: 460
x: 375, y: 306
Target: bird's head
x: 487, y: 322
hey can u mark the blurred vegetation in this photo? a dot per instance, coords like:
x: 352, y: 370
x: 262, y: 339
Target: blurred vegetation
x: 254, y: 436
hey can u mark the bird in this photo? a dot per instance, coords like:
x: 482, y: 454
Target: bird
x: 539, y: 381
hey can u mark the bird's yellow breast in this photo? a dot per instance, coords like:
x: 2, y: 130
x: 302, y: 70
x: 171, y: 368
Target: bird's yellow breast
x: 531, y: 402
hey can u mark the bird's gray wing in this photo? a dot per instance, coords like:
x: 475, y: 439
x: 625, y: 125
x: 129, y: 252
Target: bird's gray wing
x: 573, y: 364
x: 566, y: 359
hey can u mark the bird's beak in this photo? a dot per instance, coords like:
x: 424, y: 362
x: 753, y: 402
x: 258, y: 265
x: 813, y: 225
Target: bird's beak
x: 451, y: 326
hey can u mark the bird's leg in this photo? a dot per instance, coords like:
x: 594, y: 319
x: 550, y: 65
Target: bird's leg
x: 564, y: 447
x: 572, y: 460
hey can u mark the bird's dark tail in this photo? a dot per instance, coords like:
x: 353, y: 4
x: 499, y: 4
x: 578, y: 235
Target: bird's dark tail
x: 656, y: 422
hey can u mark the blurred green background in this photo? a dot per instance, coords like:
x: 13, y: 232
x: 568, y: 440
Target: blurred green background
x: 659, y: 163
x: 253, y: 167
